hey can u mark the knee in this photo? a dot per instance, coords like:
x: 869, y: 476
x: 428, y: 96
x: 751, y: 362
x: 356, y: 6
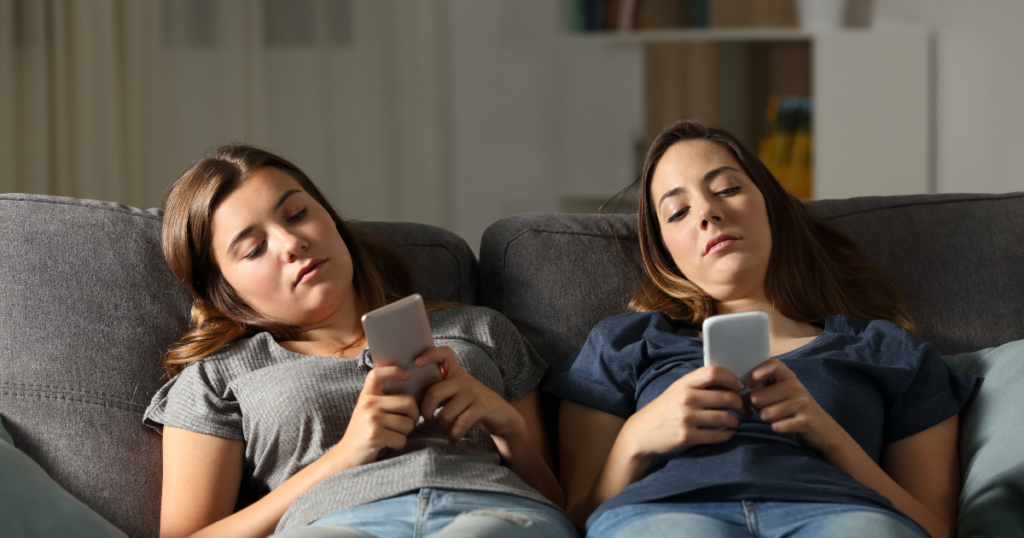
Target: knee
x: 322, y: 531
x: 502, y: 515
x: 870, y: 523
x: 665, y: 523
x: 508, y: 524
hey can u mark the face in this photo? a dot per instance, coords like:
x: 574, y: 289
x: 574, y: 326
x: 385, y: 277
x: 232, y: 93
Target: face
x: 712, y: 219
x: 281, y: 251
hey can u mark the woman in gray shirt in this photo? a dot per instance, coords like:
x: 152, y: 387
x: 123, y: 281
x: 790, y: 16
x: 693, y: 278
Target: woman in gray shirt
x: 272, y: 391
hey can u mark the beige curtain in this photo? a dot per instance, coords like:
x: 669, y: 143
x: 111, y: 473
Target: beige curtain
x: 77, y: 98
x: 113, y: 99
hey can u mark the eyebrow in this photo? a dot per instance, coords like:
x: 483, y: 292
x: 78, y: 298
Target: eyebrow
x: 248, y: 229
x: 707, y: 177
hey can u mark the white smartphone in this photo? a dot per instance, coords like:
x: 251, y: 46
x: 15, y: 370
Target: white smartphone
x: 398, y: 333
x: 738, y: 342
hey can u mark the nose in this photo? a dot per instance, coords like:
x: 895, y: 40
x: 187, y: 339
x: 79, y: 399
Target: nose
x: 708, y: 213
x: 292, y: 245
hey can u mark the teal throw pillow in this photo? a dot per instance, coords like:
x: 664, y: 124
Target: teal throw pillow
x: 33, y: 505
x: 992, y: 443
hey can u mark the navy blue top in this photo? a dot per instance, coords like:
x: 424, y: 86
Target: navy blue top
x: 878, y: 381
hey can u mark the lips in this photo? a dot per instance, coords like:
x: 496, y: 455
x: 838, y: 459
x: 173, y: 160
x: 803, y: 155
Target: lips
x: 309, y: 270
x: 718, y: 243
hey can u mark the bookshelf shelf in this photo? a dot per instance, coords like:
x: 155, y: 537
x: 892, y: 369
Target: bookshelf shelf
x: 694, y: 34
x: 727, y: 35
x: 872, y: 95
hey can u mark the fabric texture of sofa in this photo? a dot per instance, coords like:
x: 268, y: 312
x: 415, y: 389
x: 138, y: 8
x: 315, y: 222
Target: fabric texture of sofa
x: 87, y: 304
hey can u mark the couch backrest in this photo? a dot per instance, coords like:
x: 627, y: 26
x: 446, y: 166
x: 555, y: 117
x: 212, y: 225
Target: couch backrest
x: 959, y: 258
x: 87, y: 304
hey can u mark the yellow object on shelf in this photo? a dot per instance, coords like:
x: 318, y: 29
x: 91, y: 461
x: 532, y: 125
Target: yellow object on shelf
x: 787, y: 148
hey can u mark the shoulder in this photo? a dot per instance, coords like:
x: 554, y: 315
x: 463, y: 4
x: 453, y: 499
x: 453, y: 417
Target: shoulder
x: 861, y: 327
x: 202, y: 397
x: 632, y: 340
x: 232, y: 361
x: 874, y: 329
x: 629, y: 327
x: 638, y: 321
x: 475, y: 324
x: 475, y: 332
x: 604, y: 374
x: 919, y: 388
x: 479, y: 327
x: 882, y: 340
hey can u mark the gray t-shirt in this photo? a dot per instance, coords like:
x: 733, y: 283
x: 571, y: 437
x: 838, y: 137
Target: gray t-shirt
x: 290, y: 409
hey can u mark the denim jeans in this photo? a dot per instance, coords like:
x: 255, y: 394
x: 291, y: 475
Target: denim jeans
x: 441, y: 513
x: 745, y: 519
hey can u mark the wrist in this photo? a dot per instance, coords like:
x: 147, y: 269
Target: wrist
x: 632, y: 454
x: 513, y: 439
x: 837, y: 446
x: 345, y: 455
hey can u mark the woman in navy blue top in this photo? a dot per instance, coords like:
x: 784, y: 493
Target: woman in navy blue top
x: 852, y: 427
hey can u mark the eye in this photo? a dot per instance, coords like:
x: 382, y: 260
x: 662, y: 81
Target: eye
x: 678, y: 214
x: 298, y: 216
x: 255, y: 252
x: 730, y: 190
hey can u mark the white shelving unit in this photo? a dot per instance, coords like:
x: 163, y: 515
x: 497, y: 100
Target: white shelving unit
x: 873, y: 103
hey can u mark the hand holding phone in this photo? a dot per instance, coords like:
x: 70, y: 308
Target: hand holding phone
x: 398, y: 333
x: 738, y: 342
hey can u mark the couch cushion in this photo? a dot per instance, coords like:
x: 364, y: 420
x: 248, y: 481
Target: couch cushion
x: 555, y: 275
x: 443, y: 266
x: 87, y: 304
x: 32, y: 505
x: 958, y: 258
x: 991, y: 437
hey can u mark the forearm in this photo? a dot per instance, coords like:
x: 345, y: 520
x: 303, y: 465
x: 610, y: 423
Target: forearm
x: 846, y: 454
x: 522, y: 457
x: 623, y: 466
x: 261, y: 518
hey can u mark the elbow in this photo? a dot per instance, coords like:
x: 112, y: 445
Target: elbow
x: 557, y: 496
x: 578, y: 516
x: 578, y: 508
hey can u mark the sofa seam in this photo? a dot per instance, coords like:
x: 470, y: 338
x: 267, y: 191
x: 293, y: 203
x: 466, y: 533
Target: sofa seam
x: 6, y: 386
x: 516, y: 237
x: 44, y: 395
x: 137, y: 213
x: 447, y: 250
x: 513, y: 239
x: 915, y: 204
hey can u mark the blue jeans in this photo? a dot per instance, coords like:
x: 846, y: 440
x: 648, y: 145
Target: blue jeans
x: 745, y: 519
x: 439, y: 513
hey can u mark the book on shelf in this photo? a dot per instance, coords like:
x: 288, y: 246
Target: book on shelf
x: 625, y: 15
x: 787, y: 149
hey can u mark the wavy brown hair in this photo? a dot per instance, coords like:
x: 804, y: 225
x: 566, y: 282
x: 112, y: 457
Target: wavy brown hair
x: 814, y: 270
x: 219, y: 315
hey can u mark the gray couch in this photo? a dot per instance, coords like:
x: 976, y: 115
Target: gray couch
x: 87, y: 304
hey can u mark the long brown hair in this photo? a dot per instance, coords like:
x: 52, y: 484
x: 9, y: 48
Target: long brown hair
x: 219, y: 315
x: 815, y: 269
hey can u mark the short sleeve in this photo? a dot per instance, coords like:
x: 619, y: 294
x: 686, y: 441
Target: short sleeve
x: 603, y: 374
x: 199, y: 400
x: 933, y: 393
x: 519, y: 365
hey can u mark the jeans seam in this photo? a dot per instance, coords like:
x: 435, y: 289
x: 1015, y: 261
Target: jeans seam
x: 422, y: 503
x: 753, y: 525
x: 429, y: 499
